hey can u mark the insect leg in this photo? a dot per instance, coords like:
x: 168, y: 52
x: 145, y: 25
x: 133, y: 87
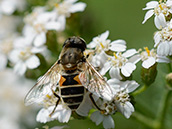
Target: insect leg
x: 92, y: 99
x: 56, y: 102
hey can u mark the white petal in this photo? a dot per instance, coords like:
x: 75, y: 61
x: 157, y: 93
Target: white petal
x: 132, y: 85
x: 78, y: 7
x: 104, y: 35
x: 43, y: 116
x: 40, y: 39
x: 127, y: 69
x: 129, y: 53
x: 118, y: 45
x: 62, y: 114
x: 135, y: 59
x: 108, y: 122
x: 148, y: 15
x: 163, y: 49
x: 38, y: 49
x: 149, y: 62
x: 128, y: 109
x: 53, y: 26
x: 7, y: 7
x: 160, y: 21
x: 14, y: 56
x: 162, y: 59
x: 115, y: 73
x: 4, y: 61
x: 105, y: 68
x: 150, y: 5
x: 33, y: 62
x: 20, y: 68
x: 157, y: 38
x: 91, y: 45
x: 96, y: 117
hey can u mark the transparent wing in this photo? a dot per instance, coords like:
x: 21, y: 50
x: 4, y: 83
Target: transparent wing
x: 44, y: 85
x: 95, y: 83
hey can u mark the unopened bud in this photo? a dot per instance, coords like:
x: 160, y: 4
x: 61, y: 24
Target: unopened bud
x: 169, y: 80
x: 148, y: 75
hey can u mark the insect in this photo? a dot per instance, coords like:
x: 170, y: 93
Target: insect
x: 72, y: 75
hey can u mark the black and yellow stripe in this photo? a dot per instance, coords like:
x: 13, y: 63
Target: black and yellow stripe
x: 72, y: 92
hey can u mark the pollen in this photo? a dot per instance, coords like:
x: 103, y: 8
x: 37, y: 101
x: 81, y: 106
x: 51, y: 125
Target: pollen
x: 147, y: 50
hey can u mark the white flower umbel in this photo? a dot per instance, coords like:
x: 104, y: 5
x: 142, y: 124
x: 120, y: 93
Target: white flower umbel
x: 122, y: 98
x: 149, y: 58
x: 120, y: 63
x: 101, y: 43
x: 163, y: 40
x: 161, y: 10
x: 23, y: 55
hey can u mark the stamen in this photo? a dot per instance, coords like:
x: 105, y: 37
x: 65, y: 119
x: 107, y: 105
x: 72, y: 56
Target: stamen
x: 147, y: 50
x: 48, y: 96
x: 160, y: 6
x: 101, y: 44
x: 114, y: 54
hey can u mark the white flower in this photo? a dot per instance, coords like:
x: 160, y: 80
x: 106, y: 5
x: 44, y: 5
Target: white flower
x: 163, y: 40
x: 107, y: 120
x: 101, y: 43
x: 67, y: 7
x: 122, y: 99
x: 161, y: 11
x: 149, y: 58
x: 120, y: 63
x: 23, y: 55
x: 64, y: 10
x: 62, y: 114
x: 39, y: 22
x: 9, y: 6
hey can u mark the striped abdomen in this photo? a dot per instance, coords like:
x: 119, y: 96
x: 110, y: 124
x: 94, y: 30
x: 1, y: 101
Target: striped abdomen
x: 72, y: 92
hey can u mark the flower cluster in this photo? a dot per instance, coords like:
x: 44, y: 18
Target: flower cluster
x: 21, y: 50
x: 163, y: 14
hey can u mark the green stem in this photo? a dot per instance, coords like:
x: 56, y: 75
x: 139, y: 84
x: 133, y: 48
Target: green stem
x: 162, y: 111
x: 145, y: 120
x: 169, y: 67
x: 140, y: 90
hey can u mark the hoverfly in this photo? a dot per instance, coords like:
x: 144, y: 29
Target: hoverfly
x: 72, y: 75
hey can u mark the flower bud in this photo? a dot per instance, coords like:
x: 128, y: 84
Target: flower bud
x: 148, y: 75
x: 169, y: 80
